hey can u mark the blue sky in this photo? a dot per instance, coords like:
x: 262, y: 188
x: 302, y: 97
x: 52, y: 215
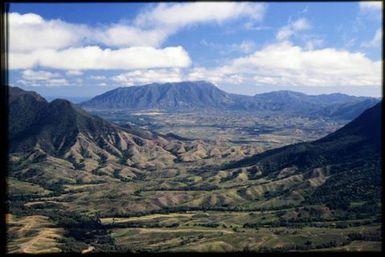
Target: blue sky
x: 84, y: 49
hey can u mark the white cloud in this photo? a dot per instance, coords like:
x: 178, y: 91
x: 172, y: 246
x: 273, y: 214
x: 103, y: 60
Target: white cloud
x: 47, y: 83
x: 153, y: 26
x: 279, y: 64
x: 287, y: 31
x: 369, y: 6
x: 38, y: 75
x: 93, y: 57
x: 31, y: 35
x: 35, y: 41
x: 286, y: 64
x: 30, y: 32
x: 123, y: 35
x: 212, y: 75
x: 139, y: 77
x: 183, y: 14
x: 42, y: 78
x: 376, y: 40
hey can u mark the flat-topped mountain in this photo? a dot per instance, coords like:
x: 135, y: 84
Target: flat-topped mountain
x: 182, y: 95
x: 199, y: 95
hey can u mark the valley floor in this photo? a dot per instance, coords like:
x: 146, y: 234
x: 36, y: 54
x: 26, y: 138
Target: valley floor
x: 261, y: 129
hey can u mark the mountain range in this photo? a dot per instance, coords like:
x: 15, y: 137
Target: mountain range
x: 77, y: 182
x: 198, y: 95
x: 63, y: 130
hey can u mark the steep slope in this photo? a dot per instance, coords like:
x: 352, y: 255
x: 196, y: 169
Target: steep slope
x: 24, y: 108
x: 63, y: 130
x: 349, y: 157
x: 198, y: 95
x: 362, y: 133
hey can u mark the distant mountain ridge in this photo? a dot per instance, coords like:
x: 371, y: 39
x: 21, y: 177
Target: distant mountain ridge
x: 198, y: 95
x: 350, y: 158
x: 364, y: 132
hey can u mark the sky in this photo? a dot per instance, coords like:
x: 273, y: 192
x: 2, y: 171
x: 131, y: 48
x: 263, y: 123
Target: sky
x: 84, y: 49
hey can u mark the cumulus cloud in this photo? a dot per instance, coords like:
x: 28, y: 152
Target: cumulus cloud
x: 150, y: 28
x: 286, y: 64
x: 278, y: 64
x: 153, y: 26
x: 56, y: 44
x: 183, y: 14
x: 30, y: 32
x: 35, y: 41
x: 287, y: 31
x: 138, y: 77
x: 93, y: 57
x: 218, y: 75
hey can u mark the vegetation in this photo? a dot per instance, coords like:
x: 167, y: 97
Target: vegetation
x: 107, y: 188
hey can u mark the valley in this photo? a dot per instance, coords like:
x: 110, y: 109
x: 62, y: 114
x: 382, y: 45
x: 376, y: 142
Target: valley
x: 260, y: 129
x: 192, y: 127
x: 157, y: 181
